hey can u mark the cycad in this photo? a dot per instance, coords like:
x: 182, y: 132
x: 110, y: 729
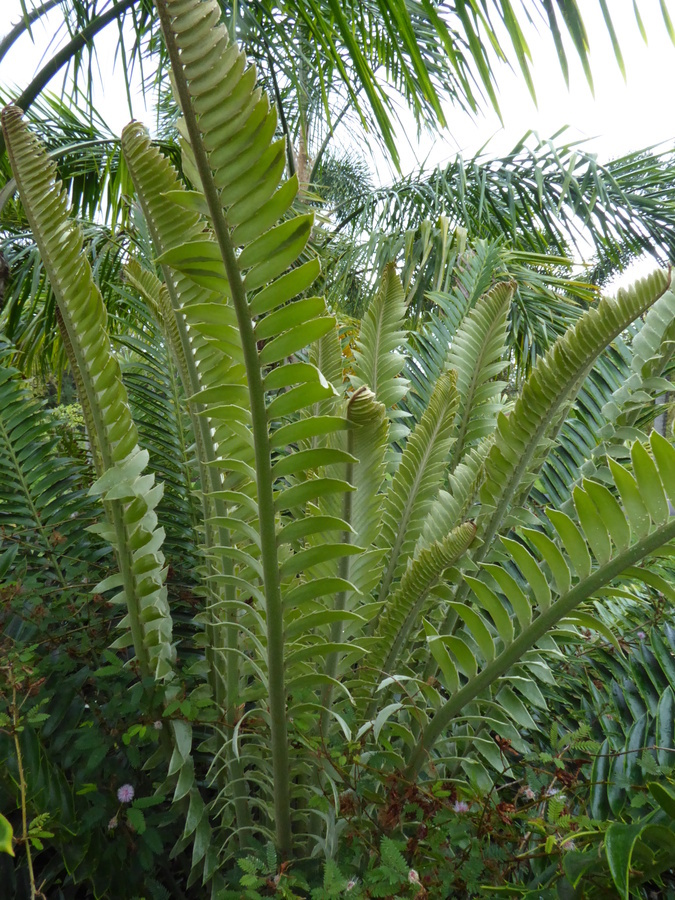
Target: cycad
x: 344, y: 560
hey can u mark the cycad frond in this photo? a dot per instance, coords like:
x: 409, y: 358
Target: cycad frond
x: 44, y: 508
x: 132, y: 497
x: 605, y: 543
x: 417, y: 481
x: 554, y: 382
x: 378, y: 360
x: 406, y: 604
x: 477, y: 355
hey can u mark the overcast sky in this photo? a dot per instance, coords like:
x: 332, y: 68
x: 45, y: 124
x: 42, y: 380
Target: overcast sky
x: 620, y: 117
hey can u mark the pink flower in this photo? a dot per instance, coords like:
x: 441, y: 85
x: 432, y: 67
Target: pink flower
x: 528, y: 793
x: 125, y: 794
x: 413, y: 877
x: 351, y: 884
x: 460, y: 806
x: 641, y: 635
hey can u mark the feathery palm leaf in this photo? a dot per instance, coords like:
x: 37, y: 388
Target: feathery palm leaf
x: 544, y: 198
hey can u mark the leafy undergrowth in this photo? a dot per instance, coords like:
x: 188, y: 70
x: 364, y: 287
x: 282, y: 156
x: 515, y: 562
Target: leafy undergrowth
x: 99, y: 824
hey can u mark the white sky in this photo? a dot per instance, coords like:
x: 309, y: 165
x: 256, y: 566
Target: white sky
x: 620, y: 117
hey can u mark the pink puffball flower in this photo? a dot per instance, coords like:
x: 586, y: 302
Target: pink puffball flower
x: 413, y: 877
x: 125, y: 794
x: 460, y: 806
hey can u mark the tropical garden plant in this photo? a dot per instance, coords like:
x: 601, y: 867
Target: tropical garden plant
x: 343, y: 608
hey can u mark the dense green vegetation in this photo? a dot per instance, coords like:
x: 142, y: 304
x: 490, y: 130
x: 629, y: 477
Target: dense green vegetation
x: 330, y: 566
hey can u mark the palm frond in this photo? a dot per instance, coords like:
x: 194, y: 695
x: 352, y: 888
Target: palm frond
x: 544, y: 197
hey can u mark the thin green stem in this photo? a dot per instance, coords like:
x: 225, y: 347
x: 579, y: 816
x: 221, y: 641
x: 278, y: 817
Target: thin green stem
x: 266, y: 512
x: 22, y: 791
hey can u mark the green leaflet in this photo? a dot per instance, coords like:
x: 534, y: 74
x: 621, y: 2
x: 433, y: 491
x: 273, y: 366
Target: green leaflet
x: 6, y: 836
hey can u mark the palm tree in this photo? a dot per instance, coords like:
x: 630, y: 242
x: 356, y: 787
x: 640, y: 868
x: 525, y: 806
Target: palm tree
x: 312, y: 53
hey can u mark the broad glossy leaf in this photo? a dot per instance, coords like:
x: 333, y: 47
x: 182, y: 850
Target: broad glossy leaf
x: 610, y: 512
x: 442, y: 657
x: 201, y: 261
x: 288, y: 316
x: 267, y: 214
x: 572, y: 540
x: 664, y: 797
x: 530, y: 570
x: 599, y: 776
x: 620, y: 842
x: 649, y: 484
x: 297, y: 338
x: 664, y: 455
x: 315, y: 426
x: 285, y: 288
x: 593, y: 526
x: 306, y: 460
x: 493, y: 605
x: 297, y: 398
x: 464, y: 656
x: 300, y: 494
x: 521, y: 604
x: 631, y: 498
x: 552, y: 555
x: 6, y: 835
